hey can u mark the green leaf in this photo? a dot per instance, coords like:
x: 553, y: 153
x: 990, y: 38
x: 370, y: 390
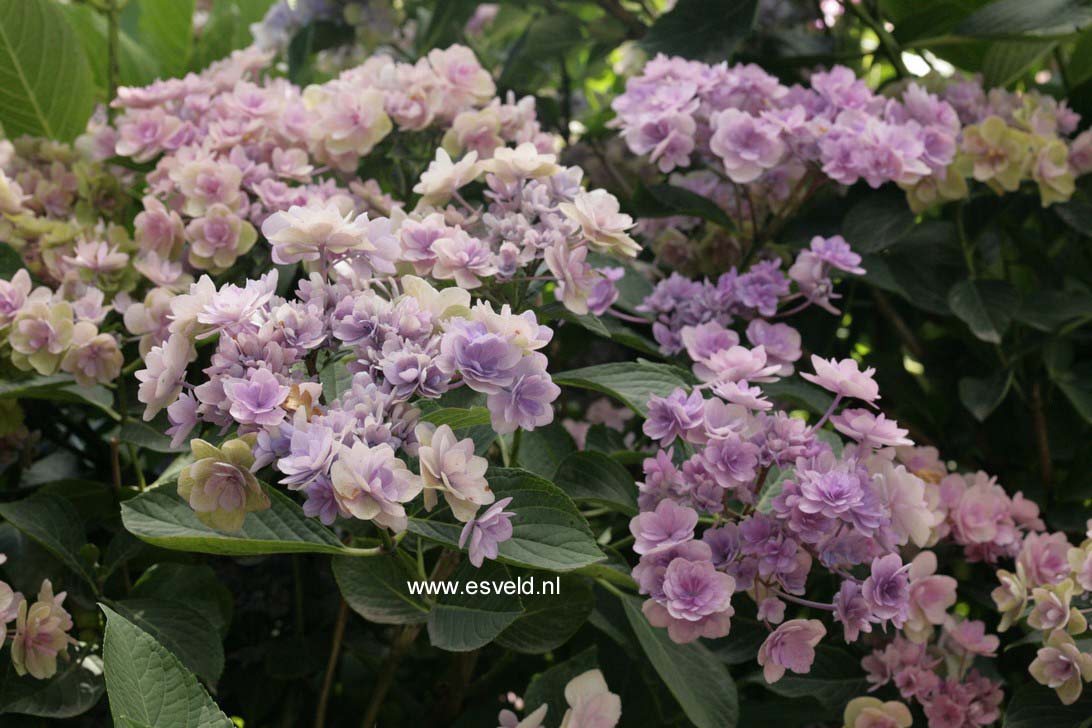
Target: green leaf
x: 631, y: 383
x: 149, y: 685
x: 703, y: 29
x: 1077, y: 212
x: 59, y: 388
x: 455, y: 417
x: 376, y: 589
x: 549, y: 686
x: 982, y: 395
x: 182, y: 630
x: 1013, y: 17
x: 136, y: 66
x: 137, y: 433
x: 227, y: 29
x: 985, y: 306
x: 55, y: 525
x: 835, y: 678
x: 695, y: 677
x: 547, y: 530
x: 1036, y: 706
x: 594, y: 477
x: 549, y: 620
x: 1048, y: 309
x: 465, y: 621
x: 161, y: 518
x: 664, y: 200
x: 1079, y: 395
x: 336, y: 380
x: 541, y: 450
x: 1007, y: 61
x: 317, y: 36
x: 797, y: 390
x: 45, y: 85
x: 166, y: 29
x: 556, y: 310
x: 195, y: 585
x: 878, y: 221
x: 71, y: 692
x: 775, y: 481
x: 10, y: 261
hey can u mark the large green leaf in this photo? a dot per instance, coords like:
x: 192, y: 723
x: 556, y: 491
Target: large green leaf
x: 466, y: 621
x: 137, y: 433
x: 705, y: 29
x: 981, y: 395
x: 456, y: 417
x: 985, y: 306
x: 878, y: 221
x: 136, y: 66
x: 541, y: 450
x: 1035, y: 706
x: 695, y: 677
x: 559, y: 606
x: 74, y: 690
x: 45, y: 85
x: 376, y: 589
x: 835, y: 678
x: 166, y: 30
x: 1014, y: 17
x: 195, y: 585
x: 182, y: 630
x: 547, y: 530
x: 1007, y: 61
x: 55, y: 525
x: 632, y: 383
x: 665, y: 200
x: 597, y: 478
x: 59, y: 388
x: 161, y: 518
x: 227, y: 29
x: 148, y: 685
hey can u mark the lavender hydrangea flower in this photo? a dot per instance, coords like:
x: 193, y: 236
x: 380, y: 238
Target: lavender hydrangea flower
x: 668, y: 525
x: 697, y: 601
x: 677, y: 415
x: 527, y: 403
x: 485, y: 360
x: 887, y: 589
x: 450, y: 466
x: 790, y: 647
x: 372, y: 484
x: 482, y: 536
x: 852, y: 610
x: 256, y: 399
x: 313, y: 446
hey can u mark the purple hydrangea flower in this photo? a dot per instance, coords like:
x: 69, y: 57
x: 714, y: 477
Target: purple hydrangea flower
x: 887, y: 589
x: 668, y: 525
x: 677, y: 415
x: 256, y: 400
x: 482, y: 536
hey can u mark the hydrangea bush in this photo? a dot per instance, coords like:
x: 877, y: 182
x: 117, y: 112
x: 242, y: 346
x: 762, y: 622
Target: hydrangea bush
x: 520, y: 365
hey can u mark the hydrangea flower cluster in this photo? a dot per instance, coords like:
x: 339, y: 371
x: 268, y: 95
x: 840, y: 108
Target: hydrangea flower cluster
x: 49, y: 331
x: 58, y: 207
x: 694, y: 315
x: 778, y: 499
x: 938, y: 675
x: 759, y: 148
x: 40, y: 631
x: 397, y: 341
x: 1051, y: 581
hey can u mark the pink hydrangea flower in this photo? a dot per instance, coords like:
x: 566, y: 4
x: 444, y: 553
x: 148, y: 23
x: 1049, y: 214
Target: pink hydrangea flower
x: 790, y: 647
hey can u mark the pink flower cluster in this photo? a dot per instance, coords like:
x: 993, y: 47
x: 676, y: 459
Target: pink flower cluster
x: 938, y: 676
x: 40, y: 632
x: 48, y: 332
x: 693, y: 315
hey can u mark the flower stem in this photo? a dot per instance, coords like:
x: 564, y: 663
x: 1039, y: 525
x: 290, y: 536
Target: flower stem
x: 331, y: 664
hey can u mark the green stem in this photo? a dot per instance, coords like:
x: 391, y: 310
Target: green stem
x: 112, y: 71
